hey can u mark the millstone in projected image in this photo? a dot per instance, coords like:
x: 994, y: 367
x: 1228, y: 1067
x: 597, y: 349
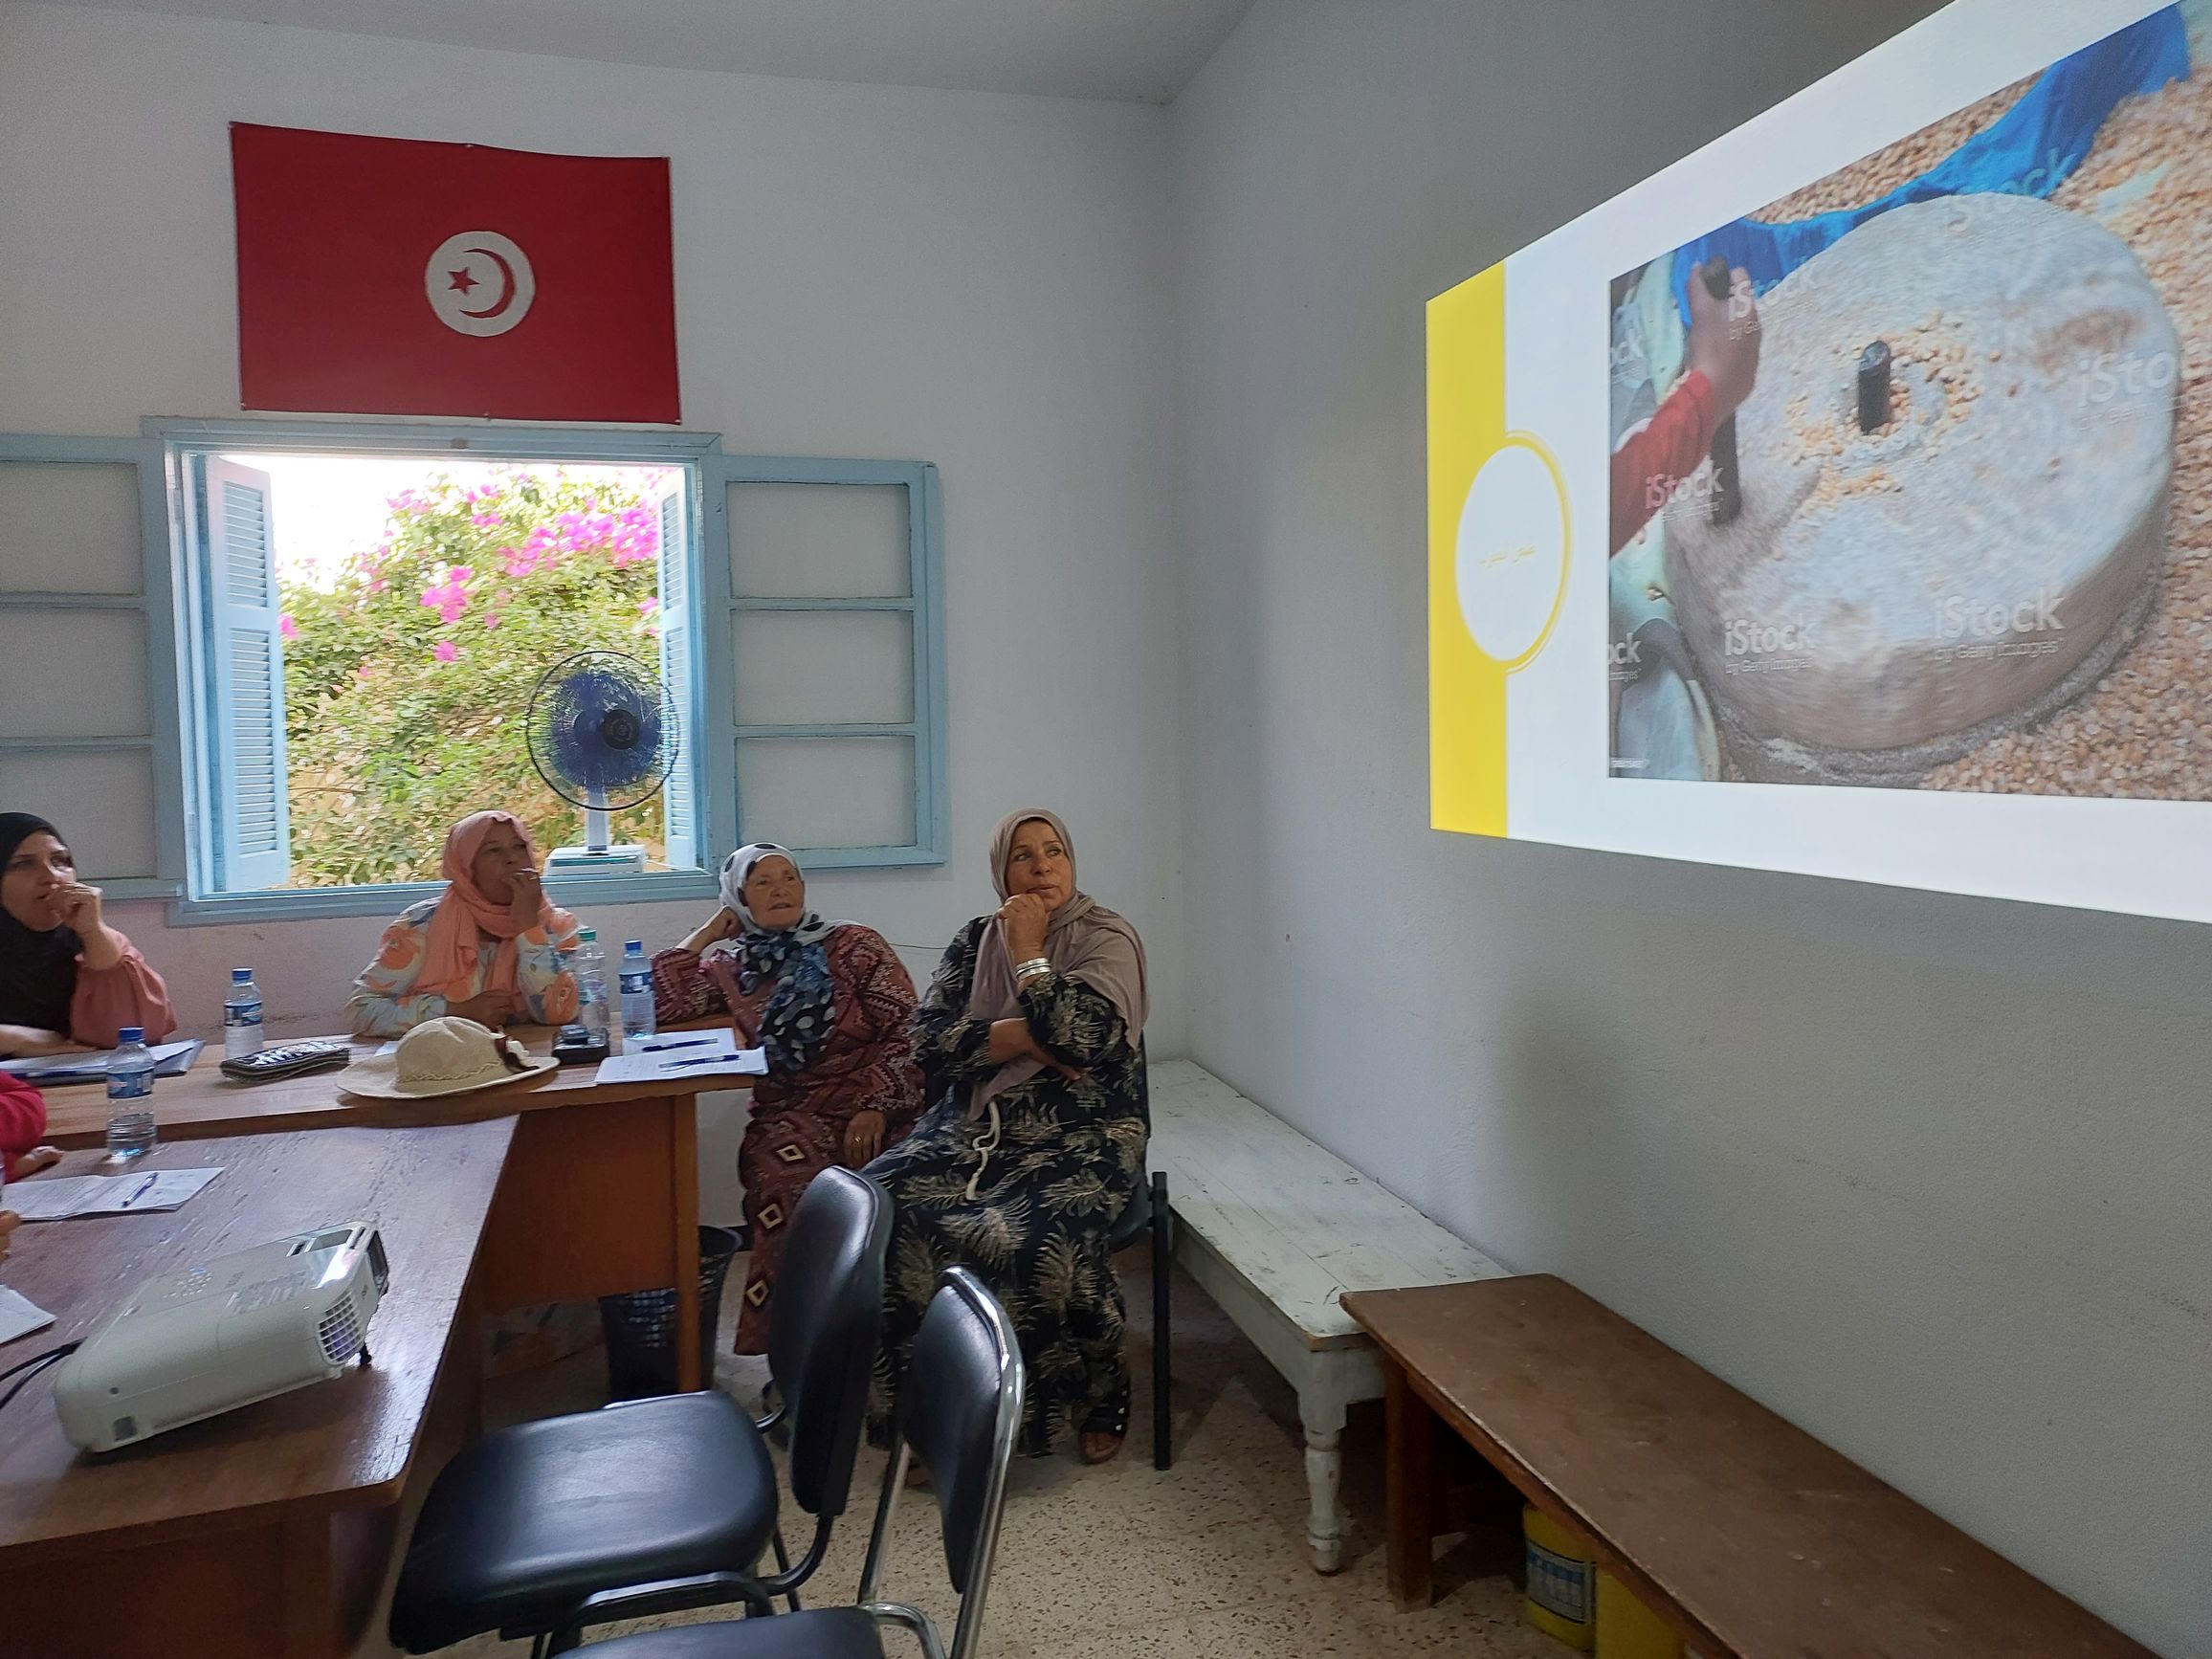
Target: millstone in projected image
x: 1890, y: 599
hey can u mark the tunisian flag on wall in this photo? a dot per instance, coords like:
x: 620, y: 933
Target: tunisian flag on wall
x: 393, y: 276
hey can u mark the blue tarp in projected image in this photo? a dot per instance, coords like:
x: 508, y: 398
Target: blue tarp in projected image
x: 2028, y: 151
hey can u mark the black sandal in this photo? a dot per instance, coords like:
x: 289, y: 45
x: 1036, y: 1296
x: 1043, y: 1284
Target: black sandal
x: 1109, y: 1420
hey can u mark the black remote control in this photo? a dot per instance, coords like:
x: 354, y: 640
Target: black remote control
x: 290, y: 1060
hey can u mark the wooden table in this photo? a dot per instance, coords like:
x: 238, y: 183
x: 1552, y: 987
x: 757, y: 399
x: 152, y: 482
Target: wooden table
x: 1277, y: 1229
x: 1754, y: 1539
x: 601, y: 1194
x: 265, y: 1532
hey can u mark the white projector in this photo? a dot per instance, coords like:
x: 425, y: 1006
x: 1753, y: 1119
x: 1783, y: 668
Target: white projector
x: 207, y: 1339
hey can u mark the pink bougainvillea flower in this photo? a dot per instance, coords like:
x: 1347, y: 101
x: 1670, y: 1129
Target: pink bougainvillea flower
x: 491, y: 619
x: 446, y: 650
x: 285, y: 626
x: 646, y: 607
x: 486, y: 520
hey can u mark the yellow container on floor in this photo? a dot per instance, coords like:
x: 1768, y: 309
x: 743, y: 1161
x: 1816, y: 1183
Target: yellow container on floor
x: 1563, y: 1581
x: 1628, y: 1629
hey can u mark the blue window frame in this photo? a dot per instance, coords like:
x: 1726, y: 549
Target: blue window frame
x: 87, y: 654
x: 826, y: 677
x: 834, y: 567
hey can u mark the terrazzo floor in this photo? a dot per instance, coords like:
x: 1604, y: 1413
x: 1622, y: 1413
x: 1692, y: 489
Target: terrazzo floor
x: 1125, y: 1561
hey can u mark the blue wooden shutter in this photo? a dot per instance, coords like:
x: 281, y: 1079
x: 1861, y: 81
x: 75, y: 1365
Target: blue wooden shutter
x: 679, y: 797
x: 247, y: 647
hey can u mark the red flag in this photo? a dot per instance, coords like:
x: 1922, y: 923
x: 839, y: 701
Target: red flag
x: 393, y: 276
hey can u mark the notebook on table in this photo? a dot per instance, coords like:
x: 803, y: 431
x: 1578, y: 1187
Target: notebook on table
x: 170, y: 1060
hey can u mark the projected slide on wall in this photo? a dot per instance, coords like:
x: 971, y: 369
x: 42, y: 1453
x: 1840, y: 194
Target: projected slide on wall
x: 1840, y: 500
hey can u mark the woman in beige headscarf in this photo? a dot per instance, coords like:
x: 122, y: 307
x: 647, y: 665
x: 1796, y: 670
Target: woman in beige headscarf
x: 1034, y: 1138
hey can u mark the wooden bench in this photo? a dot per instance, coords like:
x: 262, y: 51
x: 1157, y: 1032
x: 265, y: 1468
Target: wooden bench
x: 1748, y: 1535
x: 1277, y: 1230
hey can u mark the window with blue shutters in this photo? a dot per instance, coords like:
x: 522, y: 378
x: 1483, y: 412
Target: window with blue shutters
x: 88, y: 737
x: 794, y: 619
x: 244, y: 657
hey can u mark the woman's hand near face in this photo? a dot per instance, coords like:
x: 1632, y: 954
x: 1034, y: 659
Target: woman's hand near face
x: 79, y: 905
x: 529, y: 897
x: 723, y: 924
x: 863, y: 1138
x: 1024, y: 916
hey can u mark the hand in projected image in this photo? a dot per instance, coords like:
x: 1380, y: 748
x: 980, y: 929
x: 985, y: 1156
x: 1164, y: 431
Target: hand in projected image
x: 1724, y: 341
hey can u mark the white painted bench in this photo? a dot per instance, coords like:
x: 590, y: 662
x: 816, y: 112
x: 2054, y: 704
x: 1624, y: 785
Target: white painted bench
x: 1276, y: 1229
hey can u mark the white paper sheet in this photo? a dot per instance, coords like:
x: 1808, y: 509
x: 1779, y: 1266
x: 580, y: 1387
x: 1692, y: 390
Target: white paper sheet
x: 682, y: 1054
x: 58, y: 1198
x: 20, y: 1315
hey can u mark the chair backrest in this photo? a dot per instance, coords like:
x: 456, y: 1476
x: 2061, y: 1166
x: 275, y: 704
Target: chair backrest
x: 959, y: 1411
x: 822, y: 1330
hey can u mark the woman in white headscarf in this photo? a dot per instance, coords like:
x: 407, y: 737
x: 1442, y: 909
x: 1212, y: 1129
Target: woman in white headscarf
x: 1034, y: 1138
x: 832, y: 1004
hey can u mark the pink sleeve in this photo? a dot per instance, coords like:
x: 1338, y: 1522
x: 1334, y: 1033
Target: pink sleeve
x: 130, y: 993
x: 22, y: 1121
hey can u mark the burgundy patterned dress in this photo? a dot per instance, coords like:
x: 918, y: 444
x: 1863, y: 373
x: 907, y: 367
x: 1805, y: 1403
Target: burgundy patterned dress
x: 865, y: 1063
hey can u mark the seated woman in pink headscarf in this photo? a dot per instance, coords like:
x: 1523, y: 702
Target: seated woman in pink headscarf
x: 487, y: 949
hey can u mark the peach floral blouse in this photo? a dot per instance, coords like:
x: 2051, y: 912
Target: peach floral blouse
x: 385, y: 1002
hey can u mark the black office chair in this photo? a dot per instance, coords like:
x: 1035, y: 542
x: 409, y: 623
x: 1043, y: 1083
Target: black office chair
x: 959, y: 1411
x: 1147, y: 1211
x: 651, y: 1505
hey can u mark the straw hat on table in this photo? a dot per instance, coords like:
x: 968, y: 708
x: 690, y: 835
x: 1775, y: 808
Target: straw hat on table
x: 442, y: 1056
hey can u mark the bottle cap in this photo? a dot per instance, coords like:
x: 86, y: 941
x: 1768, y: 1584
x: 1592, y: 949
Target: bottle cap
x: 241, y: 976
x: 132, y: 1034
x: 634, y: 945
x: 587, y: 935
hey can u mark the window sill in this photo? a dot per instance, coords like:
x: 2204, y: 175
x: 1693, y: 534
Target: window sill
x: 569, y: 893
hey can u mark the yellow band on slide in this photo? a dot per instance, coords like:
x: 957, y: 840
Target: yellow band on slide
x: 1466, y: 426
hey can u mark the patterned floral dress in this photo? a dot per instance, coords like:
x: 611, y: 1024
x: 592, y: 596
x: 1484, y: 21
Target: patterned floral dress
x: 385, y: 1002
x: 1069, y: 1156
x: 815, y: 1083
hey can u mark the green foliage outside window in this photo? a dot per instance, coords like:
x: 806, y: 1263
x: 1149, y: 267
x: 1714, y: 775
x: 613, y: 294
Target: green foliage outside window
x: 409, y: 670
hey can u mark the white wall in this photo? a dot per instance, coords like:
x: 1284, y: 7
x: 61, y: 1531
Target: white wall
x: 974, y: 279
x: 1928, y: 1176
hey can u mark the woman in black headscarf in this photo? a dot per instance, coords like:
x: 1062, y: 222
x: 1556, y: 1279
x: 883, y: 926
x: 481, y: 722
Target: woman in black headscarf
x: 67, y: 979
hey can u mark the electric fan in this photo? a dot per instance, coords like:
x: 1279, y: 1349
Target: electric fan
x: 603, y: 734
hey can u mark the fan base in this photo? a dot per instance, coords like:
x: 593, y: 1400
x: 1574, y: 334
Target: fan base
x: 622, y: 858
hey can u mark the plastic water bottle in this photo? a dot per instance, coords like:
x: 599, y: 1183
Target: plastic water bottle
x: 130, y: 1096
x: 242, y: 1016
x: 636, y: 991
x: 589, y: 963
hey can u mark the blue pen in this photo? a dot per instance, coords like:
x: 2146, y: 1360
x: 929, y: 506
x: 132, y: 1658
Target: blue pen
x: 703, y: 1060
x: 145, y: 1187
x: 660, y: 1048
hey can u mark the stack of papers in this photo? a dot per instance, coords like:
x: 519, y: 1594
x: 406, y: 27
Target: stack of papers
x: 170, y: 1060
x: 58, y: 1197
x: 682, y: 1054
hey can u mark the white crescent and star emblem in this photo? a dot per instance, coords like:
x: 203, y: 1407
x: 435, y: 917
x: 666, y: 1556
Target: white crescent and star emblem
x: 480, y: 284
